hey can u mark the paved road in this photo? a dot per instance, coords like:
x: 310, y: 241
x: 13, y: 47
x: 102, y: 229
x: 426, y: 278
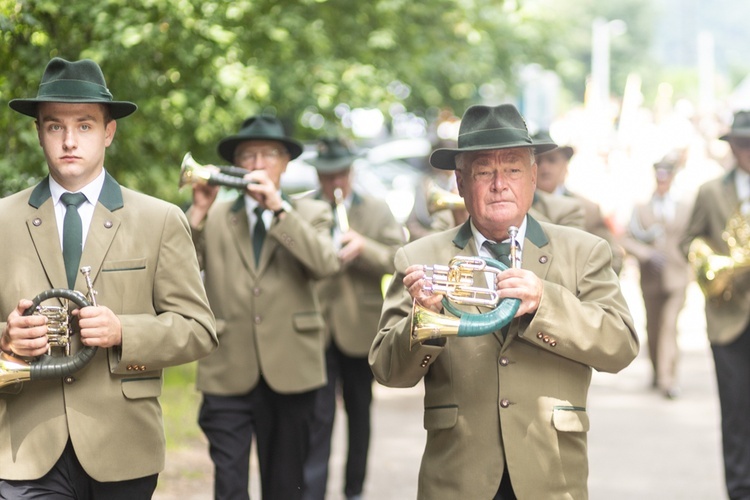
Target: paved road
x: 641, y: 446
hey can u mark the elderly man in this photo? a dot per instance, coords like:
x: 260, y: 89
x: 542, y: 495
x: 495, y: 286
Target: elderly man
x: 505, y: 412
x: 261, y: 254
x: 728, y: 310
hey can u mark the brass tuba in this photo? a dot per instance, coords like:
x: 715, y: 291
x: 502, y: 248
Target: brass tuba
x: 715, y: 273
x: 59, y: 330
x: 456, y: 283
x: 192, y: 172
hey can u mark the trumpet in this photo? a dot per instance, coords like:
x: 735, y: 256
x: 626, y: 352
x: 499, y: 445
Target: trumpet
x: 456, y: 283
x: 342, y: 219
x: 442, y: 199
x: 192, y: 172
x: 59, y: 330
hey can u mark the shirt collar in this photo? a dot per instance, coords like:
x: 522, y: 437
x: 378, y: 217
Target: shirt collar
x: 90, y: 191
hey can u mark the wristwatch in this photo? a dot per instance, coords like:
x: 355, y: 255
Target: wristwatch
x: 285, y: 207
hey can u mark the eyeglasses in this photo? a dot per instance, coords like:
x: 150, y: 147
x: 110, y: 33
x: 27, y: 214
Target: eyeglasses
x: 251, y: 156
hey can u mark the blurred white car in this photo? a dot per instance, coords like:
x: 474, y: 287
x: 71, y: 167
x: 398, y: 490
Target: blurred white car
x: 384, y: 172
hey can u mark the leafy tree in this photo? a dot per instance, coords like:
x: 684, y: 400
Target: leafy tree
x: 197, y: 68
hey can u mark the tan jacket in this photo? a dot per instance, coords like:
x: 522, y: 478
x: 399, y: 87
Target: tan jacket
x: 647, y: 235
x: 352, y: 299
x: 145, y: 270
x: 268, y: 318
x: 728, y: 316
x: 522, y: 401
x: 595, y: 224
x: 558, y: 209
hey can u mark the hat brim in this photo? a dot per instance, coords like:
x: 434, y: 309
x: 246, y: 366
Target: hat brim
x: 117, y: 109
x: 740, y: 133
x: 330, y: 166
x: 227, y: 146
x: 445, y: 158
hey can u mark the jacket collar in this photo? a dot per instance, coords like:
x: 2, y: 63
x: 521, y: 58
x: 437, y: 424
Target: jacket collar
x: 110, y: 197
x: 534, y: 233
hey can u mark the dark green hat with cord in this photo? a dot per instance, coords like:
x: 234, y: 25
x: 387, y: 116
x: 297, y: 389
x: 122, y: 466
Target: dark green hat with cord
x: 73, y: 82
x: 485, y: 128
x: 740, y: 126
x: 543, y: 137
x: 259, y: 128
x: 334, y: 155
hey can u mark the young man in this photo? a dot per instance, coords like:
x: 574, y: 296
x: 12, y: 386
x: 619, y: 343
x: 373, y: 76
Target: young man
x: 505, y: 412
x: 96, y: 433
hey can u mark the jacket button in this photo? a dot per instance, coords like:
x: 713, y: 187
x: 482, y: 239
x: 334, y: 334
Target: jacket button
x: 108, y: 224
x: 37, y: 222
x: 143, y: 368
x: 553, y: 343
x: 504, y: 403
x: 503, y: 361
x: 546, y: 339
x: 539, y: 335
x: 258, y: 319
x: 70, y: 380
x: 130, y: 367
x: 256, y: 291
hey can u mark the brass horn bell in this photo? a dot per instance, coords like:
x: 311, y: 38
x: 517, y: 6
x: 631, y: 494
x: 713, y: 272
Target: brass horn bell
x: 192, y: 173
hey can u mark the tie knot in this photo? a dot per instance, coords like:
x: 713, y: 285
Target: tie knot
x: 259, y: 211
x: 74, y: 199
x: 501, y: 251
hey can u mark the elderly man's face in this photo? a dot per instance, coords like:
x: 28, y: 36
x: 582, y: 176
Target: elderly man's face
x: 270, y: 156
x: 741, y: 150
x: 498, y: 188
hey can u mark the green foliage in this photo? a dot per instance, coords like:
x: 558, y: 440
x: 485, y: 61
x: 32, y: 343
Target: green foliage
x: 197, y: 68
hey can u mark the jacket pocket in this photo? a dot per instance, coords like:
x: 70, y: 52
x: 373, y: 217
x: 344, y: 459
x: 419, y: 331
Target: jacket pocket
x: 123, y: 265
x: 440, y: 417
x: 570, y: 419
x: 308, y: 322
x: 138, y: 388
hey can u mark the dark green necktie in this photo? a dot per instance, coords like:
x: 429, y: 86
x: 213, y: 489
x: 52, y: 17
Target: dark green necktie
x: 501, y: 251
x: 259, y: 233
x: 72, y: 235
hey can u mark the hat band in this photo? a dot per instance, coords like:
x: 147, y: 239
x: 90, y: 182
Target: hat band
x: 72, y: 89
x: 496, y: 137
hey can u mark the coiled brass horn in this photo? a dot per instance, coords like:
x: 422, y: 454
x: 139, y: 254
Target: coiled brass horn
x: 714, y: 272
x: 456, y: 283
x: 59, y: 329
x: 192, y: 172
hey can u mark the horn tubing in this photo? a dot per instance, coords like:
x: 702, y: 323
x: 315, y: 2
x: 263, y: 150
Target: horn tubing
x: 48, y: 367
x: 473, y: 324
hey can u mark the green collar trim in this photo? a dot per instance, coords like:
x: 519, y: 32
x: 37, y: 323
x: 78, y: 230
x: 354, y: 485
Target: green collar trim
x: 110, y: 197
x: 534, y: 233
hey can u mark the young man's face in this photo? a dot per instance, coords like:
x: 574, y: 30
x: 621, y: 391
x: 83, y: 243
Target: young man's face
x: 74, y: 137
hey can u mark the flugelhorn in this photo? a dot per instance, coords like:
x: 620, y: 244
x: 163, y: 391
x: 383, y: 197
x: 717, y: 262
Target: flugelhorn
x: 192, y: 172
x: 59, y: 330
x: 456, y: 283
x: 714, y: 272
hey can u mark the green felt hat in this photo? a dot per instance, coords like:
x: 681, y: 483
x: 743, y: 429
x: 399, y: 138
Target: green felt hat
x: 543, y: 137
x: 740, y: 126
x: 488, y: 127
x: 259, y: 128
x: 73, y: 82
x: 334, y: 155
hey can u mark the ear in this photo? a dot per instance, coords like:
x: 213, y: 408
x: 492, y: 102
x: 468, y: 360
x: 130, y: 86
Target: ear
x: 109, y: 132
x: 533, y: 174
